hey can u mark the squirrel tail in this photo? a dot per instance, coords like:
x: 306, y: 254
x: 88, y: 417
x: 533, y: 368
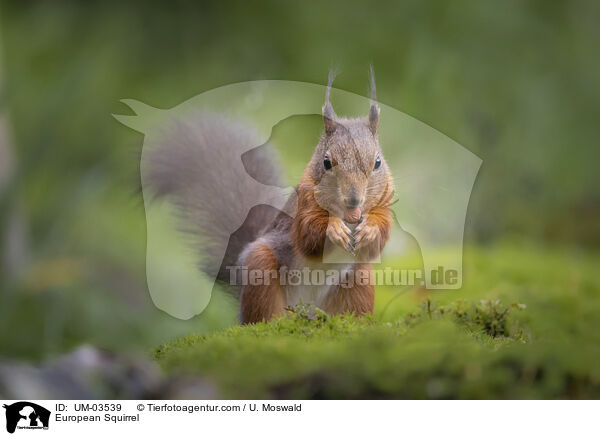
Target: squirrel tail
x: 214, y: 170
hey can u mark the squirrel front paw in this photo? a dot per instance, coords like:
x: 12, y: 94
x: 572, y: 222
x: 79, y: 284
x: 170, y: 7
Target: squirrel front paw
x: 340, y: 234
x: 367, y: 238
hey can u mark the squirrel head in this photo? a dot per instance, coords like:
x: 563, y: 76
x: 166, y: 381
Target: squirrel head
x: 348, y: 168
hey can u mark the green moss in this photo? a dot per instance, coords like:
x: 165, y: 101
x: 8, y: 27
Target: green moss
x: 437, y: 352
x: 507, y: 334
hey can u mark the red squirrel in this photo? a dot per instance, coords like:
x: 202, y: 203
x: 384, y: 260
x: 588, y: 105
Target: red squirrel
x: 343, y: 199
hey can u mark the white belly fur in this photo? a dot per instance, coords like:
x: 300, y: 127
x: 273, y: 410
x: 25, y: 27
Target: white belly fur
x: 312, y: 294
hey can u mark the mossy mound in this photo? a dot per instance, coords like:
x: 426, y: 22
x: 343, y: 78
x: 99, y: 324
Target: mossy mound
x: 463, y: 350
x: 525, y: 324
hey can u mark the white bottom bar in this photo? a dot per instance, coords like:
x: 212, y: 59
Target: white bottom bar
x: 315, y: 417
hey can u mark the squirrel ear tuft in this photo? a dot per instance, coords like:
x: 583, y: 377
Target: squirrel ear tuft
x: 329, y: 119
x: 373, y: 118
x: 374, y: 111
x: 329, y: 115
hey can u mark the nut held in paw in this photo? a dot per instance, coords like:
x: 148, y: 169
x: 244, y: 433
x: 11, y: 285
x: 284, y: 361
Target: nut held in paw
x: 352, y: 215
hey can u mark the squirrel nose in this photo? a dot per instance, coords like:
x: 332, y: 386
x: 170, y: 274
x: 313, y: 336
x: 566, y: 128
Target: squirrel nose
x: 352, y: 202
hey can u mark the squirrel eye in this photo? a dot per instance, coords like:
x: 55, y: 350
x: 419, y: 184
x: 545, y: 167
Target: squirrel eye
x: 377, y: 163
x: 327, y: 163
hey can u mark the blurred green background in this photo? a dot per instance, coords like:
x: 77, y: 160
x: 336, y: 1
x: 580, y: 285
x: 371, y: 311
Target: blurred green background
x: 515, y: 82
